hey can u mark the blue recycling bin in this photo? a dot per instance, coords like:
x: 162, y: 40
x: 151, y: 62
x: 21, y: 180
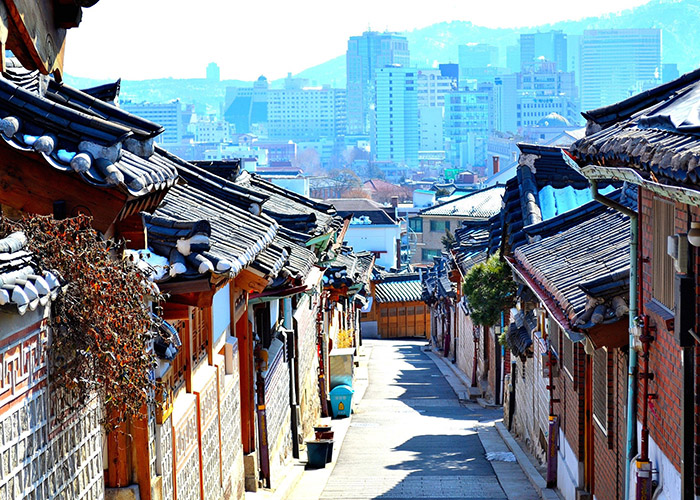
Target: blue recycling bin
x: 341, y: 400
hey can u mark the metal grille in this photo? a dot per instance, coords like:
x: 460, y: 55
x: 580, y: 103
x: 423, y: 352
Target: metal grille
x: 600, y: 388
x: 662, y: 264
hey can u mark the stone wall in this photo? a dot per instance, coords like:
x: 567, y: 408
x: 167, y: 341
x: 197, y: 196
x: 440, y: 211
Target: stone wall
x: 278, y: 411
x: 40, y: 458
x: 230, y: 422
x: 309, y: 400
x: 186, y: 449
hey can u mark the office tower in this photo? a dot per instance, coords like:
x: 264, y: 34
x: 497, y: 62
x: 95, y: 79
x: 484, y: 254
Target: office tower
x: 432, y: 87
x: 474, y: 61
x: 366, y: 54
x: 213, y: 72
x: 573, y: 57
x: 450, y: 70
x: 306, y: 114
x: 669, y: 72
x: 246, y: 107
x: 615, y: 63
x: 543, y: 90
x: 395, y: 136
x: 552, y: 46
x: 168, y: 114
x: 513, y: 58
x: 468, y: 123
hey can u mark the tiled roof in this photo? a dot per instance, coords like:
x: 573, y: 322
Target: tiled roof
x: 544, y: 186
x: 288, y: 207
x: 362, y: 210
x: 655, y: 133
x: 76, y: 132
x: 235, y: 237
x: 23, y: 286
x: 579, y: 254
x: 398, y: 288
x: 108, y: 92
x: 349, y: 269
x: 479, y: 205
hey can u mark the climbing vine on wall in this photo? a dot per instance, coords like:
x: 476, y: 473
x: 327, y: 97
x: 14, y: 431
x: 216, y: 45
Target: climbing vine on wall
x: 101, y: 322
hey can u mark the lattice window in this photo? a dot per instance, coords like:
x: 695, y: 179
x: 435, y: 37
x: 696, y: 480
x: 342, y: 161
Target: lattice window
x: 179, y: 364
x: 200, y: 337
x: 662, y: 264
x: 600, y: 388
x: 567, y: 355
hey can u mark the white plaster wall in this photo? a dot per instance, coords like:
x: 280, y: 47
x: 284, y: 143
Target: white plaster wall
x: 375, y: 238
x: 567, y: 469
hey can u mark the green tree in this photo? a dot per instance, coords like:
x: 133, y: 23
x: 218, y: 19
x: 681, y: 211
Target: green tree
x: 490, y: 290
x: 448, y: 240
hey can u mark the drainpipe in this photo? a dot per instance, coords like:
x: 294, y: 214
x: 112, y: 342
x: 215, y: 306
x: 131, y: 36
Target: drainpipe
x: 633, y: 313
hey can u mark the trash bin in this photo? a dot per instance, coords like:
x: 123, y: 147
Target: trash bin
x: 317, y: 452
x: 341, y: 401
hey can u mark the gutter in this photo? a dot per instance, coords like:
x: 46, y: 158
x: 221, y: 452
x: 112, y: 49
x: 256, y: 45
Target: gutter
x: 631, y: 423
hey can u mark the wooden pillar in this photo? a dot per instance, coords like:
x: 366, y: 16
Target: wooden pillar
x: 245, y: 356
x: 118, y: 456
x: 139, y: 432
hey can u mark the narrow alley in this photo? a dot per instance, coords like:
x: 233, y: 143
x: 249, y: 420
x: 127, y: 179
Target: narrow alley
x: 410, y: 437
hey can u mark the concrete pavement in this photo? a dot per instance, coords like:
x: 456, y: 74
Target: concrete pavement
x: 410, y: 437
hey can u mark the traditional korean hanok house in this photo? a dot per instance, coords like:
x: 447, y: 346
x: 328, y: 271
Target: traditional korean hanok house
x: 440, y: 294
x: 31, y: 468
x: 398, y: 306
x: 65, y: 153
x: 568, y: 338
x: 651, y: 140
x: 213, y: 253
x: 474, y: 347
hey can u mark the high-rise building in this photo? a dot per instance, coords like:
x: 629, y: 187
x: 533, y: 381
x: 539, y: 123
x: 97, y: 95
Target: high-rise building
x: 542, y: 90
x: 669, y: 72
x: 366, y: 54
x: 246, y: 107
x: 552, y: 46
x: 395, y: 136
x: 432, y: 87
x: 474, y: 59
x: 616, y: 62
x: 168, y: 114
x: 213, y: 72
x: 468, y: 124
x: 431, y: 128
x: 306, y: 114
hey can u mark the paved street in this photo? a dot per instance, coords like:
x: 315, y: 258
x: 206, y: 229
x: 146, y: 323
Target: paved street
x: 411, y: 438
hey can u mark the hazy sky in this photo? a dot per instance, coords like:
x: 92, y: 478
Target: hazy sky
x: 140, y: 39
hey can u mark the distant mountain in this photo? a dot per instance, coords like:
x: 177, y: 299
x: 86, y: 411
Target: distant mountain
x: 438, y: 43
x: 206, y: 95
x: 677, y: 18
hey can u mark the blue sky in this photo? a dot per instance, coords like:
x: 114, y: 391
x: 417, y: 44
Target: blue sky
x: 140, y: 39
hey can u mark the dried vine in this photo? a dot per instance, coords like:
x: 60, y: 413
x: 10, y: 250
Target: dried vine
x: 101, y: 322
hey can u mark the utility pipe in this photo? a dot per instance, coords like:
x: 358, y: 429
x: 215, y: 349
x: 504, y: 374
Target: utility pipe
x: 633, y: 313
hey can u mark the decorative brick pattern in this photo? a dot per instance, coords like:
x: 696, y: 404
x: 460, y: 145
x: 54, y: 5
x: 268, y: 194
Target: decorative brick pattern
x: 38, y: 460
x: 279, y: 432
x: 209, y: 440
x: 187, y: 455
x: 164, y: 462
x: 231, y: 445
x: 307, y: 359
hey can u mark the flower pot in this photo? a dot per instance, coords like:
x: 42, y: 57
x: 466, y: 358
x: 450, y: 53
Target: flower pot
x: 317, y: 452
x: 329, y: 456
x: 322, y: 428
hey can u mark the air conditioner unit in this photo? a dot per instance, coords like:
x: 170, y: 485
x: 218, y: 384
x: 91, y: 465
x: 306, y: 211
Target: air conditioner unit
x: 677, y: 249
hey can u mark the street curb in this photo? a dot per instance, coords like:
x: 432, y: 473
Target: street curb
x: 531, y: 473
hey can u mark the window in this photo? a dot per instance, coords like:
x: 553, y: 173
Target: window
x: 600, y: 388
x: 416, y: 224
x: 427, y: 254
x: 662, y: 264
x: 567, y: 355
x: 439, y: 225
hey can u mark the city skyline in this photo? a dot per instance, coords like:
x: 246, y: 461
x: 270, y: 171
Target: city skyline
x: 258, y: 51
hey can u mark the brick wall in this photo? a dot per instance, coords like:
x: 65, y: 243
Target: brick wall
x: 666, y: 358
x: 465, y: 342
x: 40, y: 458
x: 278, y: 411
x: 230, y: 422
x: 609, y: 448
x: 530, y: 419
x: 307, y: 358
x: 186, y: 447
